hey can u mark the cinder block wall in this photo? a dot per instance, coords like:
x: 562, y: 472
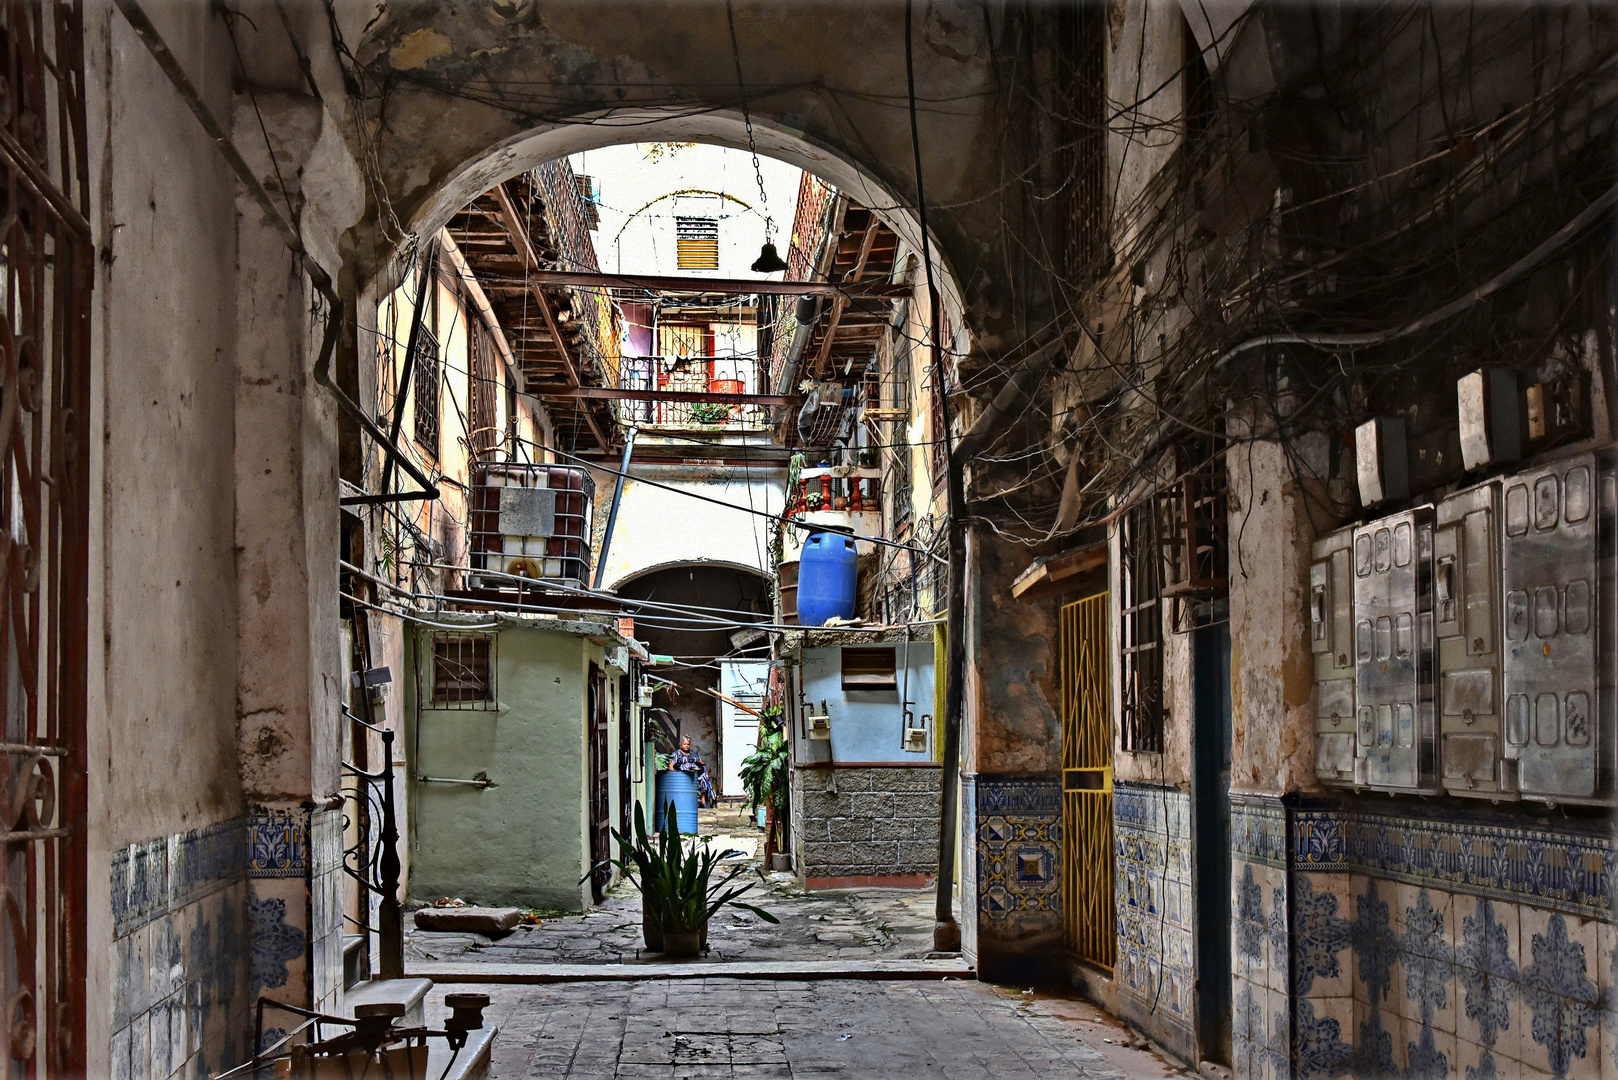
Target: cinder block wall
x: 865, y: 824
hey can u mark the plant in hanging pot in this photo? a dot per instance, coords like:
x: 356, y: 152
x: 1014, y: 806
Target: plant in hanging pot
x: 679, y: 889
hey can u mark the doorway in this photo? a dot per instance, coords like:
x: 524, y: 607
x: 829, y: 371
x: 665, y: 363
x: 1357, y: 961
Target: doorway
x: 1210, y: 792
x: 1087, y: 894
x: 600, y: 785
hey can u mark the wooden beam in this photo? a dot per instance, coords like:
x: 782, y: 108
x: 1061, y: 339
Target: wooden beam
x: 525, y: 248
x: 733, y: 286
x: 603, y: 393
x: 1048, y: 575
x: 842, y: 302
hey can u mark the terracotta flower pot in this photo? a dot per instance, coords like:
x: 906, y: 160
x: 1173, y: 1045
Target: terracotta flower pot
x: 682, y: 944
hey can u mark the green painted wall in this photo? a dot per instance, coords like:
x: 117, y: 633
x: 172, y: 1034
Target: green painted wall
x: 522, y: 842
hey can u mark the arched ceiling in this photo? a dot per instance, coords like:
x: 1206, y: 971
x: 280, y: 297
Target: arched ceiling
x: 465, y: 95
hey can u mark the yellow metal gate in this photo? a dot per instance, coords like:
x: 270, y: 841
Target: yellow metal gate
x: 1087, y: 781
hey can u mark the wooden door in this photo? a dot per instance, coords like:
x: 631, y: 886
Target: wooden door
x: 600, y: 784
x: 1087, y: 863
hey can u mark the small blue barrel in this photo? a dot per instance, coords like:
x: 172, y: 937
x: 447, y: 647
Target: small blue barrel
x: 681, y: 789
x: 828, y: 576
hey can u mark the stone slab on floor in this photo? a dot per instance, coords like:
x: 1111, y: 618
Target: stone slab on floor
x: 853, y: 1029
x: 468, y: 920
x: 696, y: 968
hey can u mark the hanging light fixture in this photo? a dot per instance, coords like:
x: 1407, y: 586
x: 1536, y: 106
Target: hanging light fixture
x: 769, y: 260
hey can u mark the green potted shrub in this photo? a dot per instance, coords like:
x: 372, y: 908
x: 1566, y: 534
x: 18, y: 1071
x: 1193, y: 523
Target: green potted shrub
x: 679, y: 889
x: 764, y: 776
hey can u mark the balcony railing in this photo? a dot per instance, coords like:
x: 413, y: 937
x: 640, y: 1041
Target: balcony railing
x: 691, y: 375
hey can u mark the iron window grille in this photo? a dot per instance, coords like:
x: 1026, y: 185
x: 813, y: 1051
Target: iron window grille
x: 428, y: 375
x: 463, y: 671
x: 1140, y: 630
x: 1193, y: 534
x: 486, y: 433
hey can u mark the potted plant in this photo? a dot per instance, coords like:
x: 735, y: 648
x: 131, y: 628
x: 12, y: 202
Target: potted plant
x: 764, y: 775
x: 679, y: 889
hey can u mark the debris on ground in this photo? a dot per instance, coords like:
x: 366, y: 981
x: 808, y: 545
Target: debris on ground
x: 466, y: 919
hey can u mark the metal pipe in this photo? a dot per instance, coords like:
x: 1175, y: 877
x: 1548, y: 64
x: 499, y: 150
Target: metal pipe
x: 612, y: 515
x: 406, y: 381
x: 454, y: 780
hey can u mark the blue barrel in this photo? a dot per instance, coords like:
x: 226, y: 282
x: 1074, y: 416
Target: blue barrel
x: 681, y: 789
x: 827, y: 578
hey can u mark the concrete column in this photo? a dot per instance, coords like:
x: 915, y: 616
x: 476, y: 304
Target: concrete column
x: 1011, y: 789
x: 290, y: 662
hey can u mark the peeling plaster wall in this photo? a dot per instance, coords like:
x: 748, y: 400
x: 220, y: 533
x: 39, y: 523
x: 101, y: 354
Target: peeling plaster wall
x: 1272, y: 669
x: 162, y: 648
x: 1011, y: 707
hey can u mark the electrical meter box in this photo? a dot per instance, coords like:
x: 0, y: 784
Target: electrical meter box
x: 1331, y: 636
x: 1557, y: 560
x: 1395, y: 727
x: 1466, y: 619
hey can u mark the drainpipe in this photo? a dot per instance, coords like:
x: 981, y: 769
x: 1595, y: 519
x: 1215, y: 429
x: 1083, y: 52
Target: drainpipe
x: 612, y: 515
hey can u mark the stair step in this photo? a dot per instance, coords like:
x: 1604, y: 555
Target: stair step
x: 353, y: 960
x: 410, y: 992
x: 472, y: 1063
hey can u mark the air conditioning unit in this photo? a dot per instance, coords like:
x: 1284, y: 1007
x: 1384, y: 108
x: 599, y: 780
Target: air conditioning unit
x: 531, y: 522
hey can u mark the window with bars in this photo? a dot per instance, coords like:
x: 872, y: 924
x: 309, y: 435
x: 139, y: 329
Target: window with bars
x: 696, y: 243
x: 429, y: 373
x: 486, y: 382
x: 463, y: 671
x: 1193, y: 533
x: 1140, y: 629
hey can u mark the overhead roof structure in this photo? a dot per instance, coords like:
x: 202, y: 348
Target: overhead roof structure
x: 509, y: 233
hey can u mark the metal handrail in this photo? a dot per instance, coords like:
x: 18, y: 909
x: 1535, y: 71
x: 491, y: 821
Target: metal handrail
x: 378, y: 874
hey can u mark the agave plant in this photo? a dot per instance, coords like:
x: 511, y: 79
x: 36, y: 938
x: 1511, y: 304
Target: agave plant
x: 679, y: 889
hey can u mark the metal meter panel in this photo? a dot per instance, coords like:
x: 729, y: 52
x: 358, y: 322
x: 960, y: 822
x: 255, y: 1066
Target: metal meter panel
x: 1557, y: 611
x: 1331, y: 636
x: 1466, y: 620
x: 1394, y: 720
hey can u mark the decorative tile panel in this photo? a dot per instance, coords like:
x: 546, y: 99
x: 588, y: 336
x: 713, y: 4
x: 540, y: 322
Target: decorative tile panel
x: 161, y: 876
x: 179, y: 970
x: 1562, y: 871
x: 1152, y: 887
x: 280, y: 844
x: 1258, y: 830
x: 1017, y: 830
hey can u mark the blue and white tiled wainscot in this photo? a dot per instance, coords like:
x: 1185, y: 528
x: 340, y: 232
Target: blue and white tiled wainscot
x: 296, y: 908
x: 1427, y: 941
x: 1016, y: 850
x: 1155, y: 973
x: 180, y: 1002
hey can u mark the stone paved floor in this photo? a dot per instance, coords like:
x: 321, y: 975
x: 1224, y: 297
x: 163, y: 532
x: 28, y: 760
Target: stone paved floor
x: 959, y: 1030
x: 843, y: 924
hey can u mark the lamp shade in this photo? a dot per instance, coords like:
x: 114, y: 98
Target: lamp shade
x: 768, y: 261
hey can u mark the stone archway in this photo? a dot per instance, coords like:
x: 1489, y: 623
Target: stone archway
x: 706, y: 584
x: 464, y: 96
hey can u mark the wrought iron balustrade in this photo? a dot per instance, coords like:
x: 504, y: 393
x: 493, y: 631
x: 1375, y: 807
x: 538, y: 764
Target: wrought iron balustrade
x: 373, y: 859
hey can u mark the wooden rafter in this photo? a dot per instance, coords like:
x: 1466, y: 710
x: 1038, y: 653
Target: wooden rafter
x: 518, y: 233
